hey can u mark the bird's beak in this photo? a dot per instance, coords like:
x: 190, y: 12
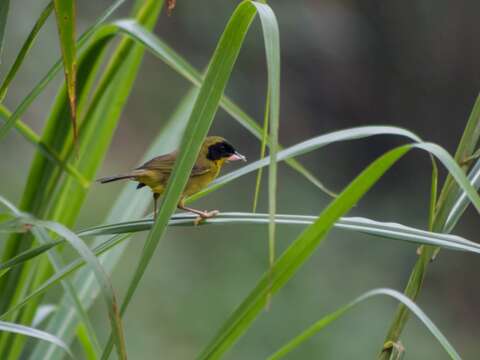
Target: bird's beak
x: 237, y: 156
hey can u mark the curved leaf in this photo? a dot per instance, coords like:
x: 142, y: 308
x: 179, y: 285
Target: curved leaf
x: 65, y: 14
x: 328, y: 319
x: 34, y: 333
x: 305, y: 147
x: 25, y: 48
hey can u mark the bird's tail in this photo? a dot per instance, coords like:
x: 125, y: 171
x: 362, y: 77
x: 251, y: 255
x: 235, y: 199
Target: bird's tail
x: 115, y: 178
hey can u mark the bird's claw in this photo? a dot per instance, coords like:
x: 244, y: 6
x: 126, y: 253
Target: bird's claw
x: 205, y: 215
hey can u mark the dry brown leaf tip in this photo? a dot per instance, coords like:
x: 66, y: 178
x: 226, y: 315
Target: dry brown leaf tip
x: 170, y: 6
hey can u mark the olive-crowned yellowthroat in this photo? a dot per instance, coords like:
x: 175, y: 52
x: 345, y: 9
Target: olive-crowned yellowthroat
x: 156, y: 172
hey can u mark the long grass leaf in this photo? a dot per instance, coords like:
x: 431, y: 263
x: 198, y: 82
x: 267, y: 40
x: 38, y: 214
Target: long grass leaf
x: 4, y: 7
x: 44, y: 148
x: 107, y: 289
x: 272, y: 50
x: 466, y: 147
x: 34, y: 333
x: 25, y: 48
x: 37, y: 90
x: 66, y: 16
x: 55, y: 259
x: 331, y: 317
x: 387, y: 230
x: 263, y: 149
x: 461, y: 200
x: 306, y: 147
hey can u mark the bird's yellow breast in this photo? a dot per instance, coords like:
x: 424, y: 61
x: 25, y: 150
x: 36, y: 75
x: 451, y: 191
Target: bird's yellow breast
x: 158, y: 182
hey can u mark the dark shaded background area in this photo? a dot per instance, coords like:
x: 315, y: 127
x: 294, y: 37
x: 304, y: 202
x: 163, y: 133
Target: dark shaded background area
x: 344, y: 63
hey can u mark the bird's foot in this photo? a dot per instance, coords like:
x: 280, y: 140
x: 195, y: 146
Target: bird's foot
x: 205, y: 215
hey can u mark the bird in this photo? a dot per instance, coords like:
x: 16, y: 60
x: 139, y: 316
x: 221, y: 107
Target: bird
x: 214, y: 153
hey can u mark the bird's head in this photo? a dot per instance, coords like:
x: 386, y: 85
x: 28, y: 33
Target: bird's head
x: 217, y: 148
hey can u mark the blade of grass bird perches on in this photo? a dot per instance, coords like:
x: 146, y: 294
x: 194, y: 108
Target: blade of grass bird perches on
x: 123, y: 231
x: 4, y: 7
x: 160, y: 49
x: 385, y: 230
x: 331, y: 317
x: 306, y: 243
x: 34, y: 139
x: 25, y: 48
x: 65, y: 15
x: 37, y: 90
x: 128, y: 204
x: 200, y: 120
x: 34, y: 333
x: 388, y: 230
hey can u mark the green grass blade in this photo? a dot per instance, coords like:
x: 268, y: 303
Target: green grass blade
x: 28, y: 255
x: 388, y: 230
x: 101, y: 276
x: 371, y: 227
x: 57, y: 263
x: 200, y: 120
x: 306, y: 147
x: 461, y: 200
x: 297, y: 253
x: 38, y: 89
x: 44, y: 148
x: 465, y: 149
x: 4, y: 7
x: 42, y: 314
x: 62, y: 274
x: 454, y: 171
x: 263, y: 149
x: 47, y: 244
x: 34, y: 333
x: 272, y: 50
x: 328, y: 319
x: 25, y: 48
x: 66, y: 16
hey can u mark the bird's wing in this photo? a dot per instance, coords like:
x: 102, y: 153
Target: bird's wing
x: 165, y: 163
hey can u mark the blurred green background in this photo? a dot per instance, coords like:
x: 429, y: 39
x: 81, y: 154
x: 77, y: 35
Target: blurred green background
x: 344, y: 63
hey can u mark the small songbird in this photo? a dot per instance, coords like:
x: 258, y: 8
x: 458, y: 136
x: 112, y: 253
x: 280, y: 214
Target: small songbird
x: 215, y: 151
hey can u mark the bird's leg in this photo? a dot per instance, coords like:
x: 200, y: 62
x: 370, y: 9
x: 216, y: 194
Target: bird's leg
x: 202, y: 215
x: 155, y: 199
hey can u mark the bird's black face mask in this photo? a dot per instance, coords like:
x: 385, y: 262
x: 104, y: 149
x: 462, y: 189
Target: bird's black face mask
x: 223, y: 150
